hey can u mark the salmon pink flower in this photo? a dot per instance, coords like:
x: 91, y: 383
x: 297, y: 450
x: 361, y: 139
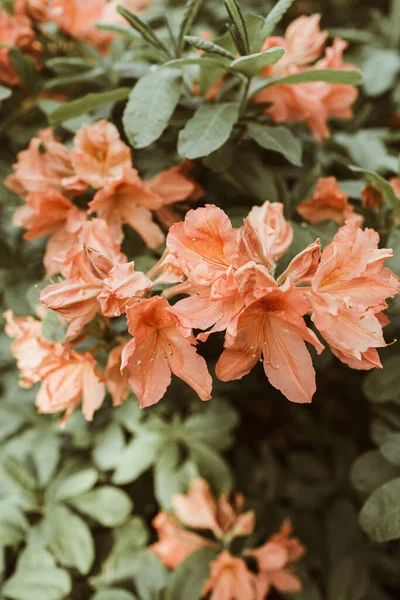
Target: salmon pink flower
x: 266, y: 235
x: 65, y: 380
x: 199, y: 510
x: 15, y: 31
x: 129, y: 201
x: 87, y: 264
x: 42, y: 214
x: 371, y: 197
x: 44, y: 166
x: 175, y: 544
x: 395, y: 183
x: 348, y: 293
x: 62, y: 240
x: 116, y: 380
x: 328, y: 202
x: 34, y: 9
x: 230, y: 579
x: 161, y: 345
x: 99, y: 155
x: 303, y: 267
x: 271, y: 327
x: 304, y: 41
x: 122, y: 287
x: 29, y: 347
x: 275, y: 559
x: 78, y: 19
x: 111, y: 15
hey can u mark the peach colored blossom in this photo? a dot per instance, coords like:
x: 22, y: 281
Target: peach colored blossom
x: 266, y: 235
x: 303, y: 267
x: 328, y: 202
x: 348, y: 293
x: 173, y: 186
x: 161, y: 345
x: 111, y: 15
x: 67, y: 379
x: 230, y: 579
x: 371, y: 197
x: 15, y: 30
x: 62, y: 240
x: 99, y: 155
x: 275, y: 559
x: 34, y: 9
x: 44, y: 166
x: 206, y: 243
x: 304, y: 41
x: 116, y: 380
x: 129, y: 201
x: 395, y: 183
x: 78, y: 19
x: 87, y: 264
x: 199, y: 510
x: 29, y: 347
x: 42, y: 214
x: 175, y: 544
x: 271, y: 327
x: 122, y: 287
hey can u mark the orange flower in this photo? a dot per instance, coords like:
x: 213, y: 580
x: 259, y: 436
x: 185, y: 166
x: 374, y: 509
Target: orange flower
x: 348, y: 293
x: 274, y: 562
x: 129, y: 200
x: 371, y: 197
x: 328, y: 202
x: 395, y: 183
x: 65, y: 380
x: 15, y: 30
x: 34, y: 9
x: 43, y: 214
x: 99, y: 155
x: 161, y: 345
x: 175, y: 544
x: 230, y: 579
x: 111, y: 15
x: 46, y: 165
x: 62, y: 240
x: 116, y: 380
x: 78, y: 19
x: 122, y: 287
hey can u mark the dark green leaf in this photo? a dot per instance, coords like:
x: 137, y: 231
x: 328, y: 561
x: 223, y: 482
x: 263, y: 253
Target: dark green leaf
x: 137, y: 457
x: 172, y: 474
x: 349, y: 580
x: 5, y: 92
x: 383, y: 385
x: 13, y: 524
x: 380, y: 515
x: 113, y: 594
x: 26, y: 69
x: 38, y: 583
x: 279, y: 139
x: 92, y: 101
x: 71, y: 485
x: 107, y: 505
x: 208, y: 130
x: 151, y: 105
x: 275, y: 15
x: 188, y: 579
x: 191, y: 9
x: 391, y: 448
x: 238, y: 25
x: 371, y: 470
x: 253, y: 64
x: 145, y: 31
x: 206, y: 46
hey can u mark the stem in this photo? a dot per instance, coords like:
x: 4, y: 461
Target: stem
x: 243, y: 103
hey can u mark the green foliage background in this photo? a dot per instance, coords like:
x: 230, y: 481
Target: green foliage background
x: 76, y: 505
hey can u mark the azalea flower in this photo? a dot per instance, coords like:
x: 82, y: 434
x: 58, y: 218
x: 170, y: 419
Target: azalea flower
x: 122, y: 286
x: 15, y: 30
x: 34, y: 9
x: 129, y: 200
x: 78, y: 19
x: 371, y: 197
x: 115, y: 378
x: 99, y: 156
x: 328, y: 202
x: 230, y: 579
x: 395, y: 183
x: 348, y: 293
x: 161, y: 345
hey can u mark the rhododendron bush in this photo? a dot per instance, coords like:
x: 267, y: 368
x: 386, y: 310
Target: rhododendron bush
x: 199, y: 259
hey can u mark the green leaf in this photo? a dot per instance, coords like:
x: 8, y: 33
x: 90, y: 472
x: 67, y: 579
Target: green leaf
x: 382, y: 185
x: 45, y: 453
x: 26, y: 69
x: 10, y: 421
x: 208, y: 130
x: 172, y: 474
x: 151, y: 104
x: 123, y: 30
x: 254, y: 24
x: 278, y: 139
x: 206, y: 46
x: 107, y: 505
x: 149, y: 574
x: 19, y: 474
x: 391, y: 448
x: 38, y: 583
x: 52, y: 328
x: 380, y: 515
x: 350, y: 77
x: 253, y: 64
x: 69, y: 539
x: 371, y: 470
x: 380, y: 68
x: 275, y: 15
x: 13, y: 524
x: 113, y: 594
x: 81, y: 106
x: 71, y: 485
x: 382, y: 385
x: 145, y: 31
x: 213, y: 426
x: 64, y: 65
x: 188, y: 579
x: 211, y: 466
x: 5, y: 92
x: 239, y: 31
x: 108, y: 447
x: 137, y: 457
x: 191, y: 10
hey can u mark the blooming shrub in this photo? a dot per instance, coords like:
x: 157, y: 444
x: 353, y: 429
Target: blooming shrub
x: 200, y: 232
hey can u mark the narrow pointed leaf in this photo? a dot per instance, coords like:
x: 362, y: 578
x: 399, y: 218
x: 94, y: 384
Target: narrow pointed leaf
x: 76, y: 108
x: 151, y: 105
x: 145, y: 31
x: 191, y: 10
x: 254, y: 63
x: 209, y: 128
x: 240, y: 35
x: 278, y: 139
x: 275, y: 15
x: 201, y: 44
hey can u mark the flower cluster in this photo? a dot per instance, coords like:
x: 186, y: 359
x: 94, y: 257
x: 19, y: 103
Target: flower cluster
x: 312, y: 103
x: 268, y: 566
x: 50, y: 176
